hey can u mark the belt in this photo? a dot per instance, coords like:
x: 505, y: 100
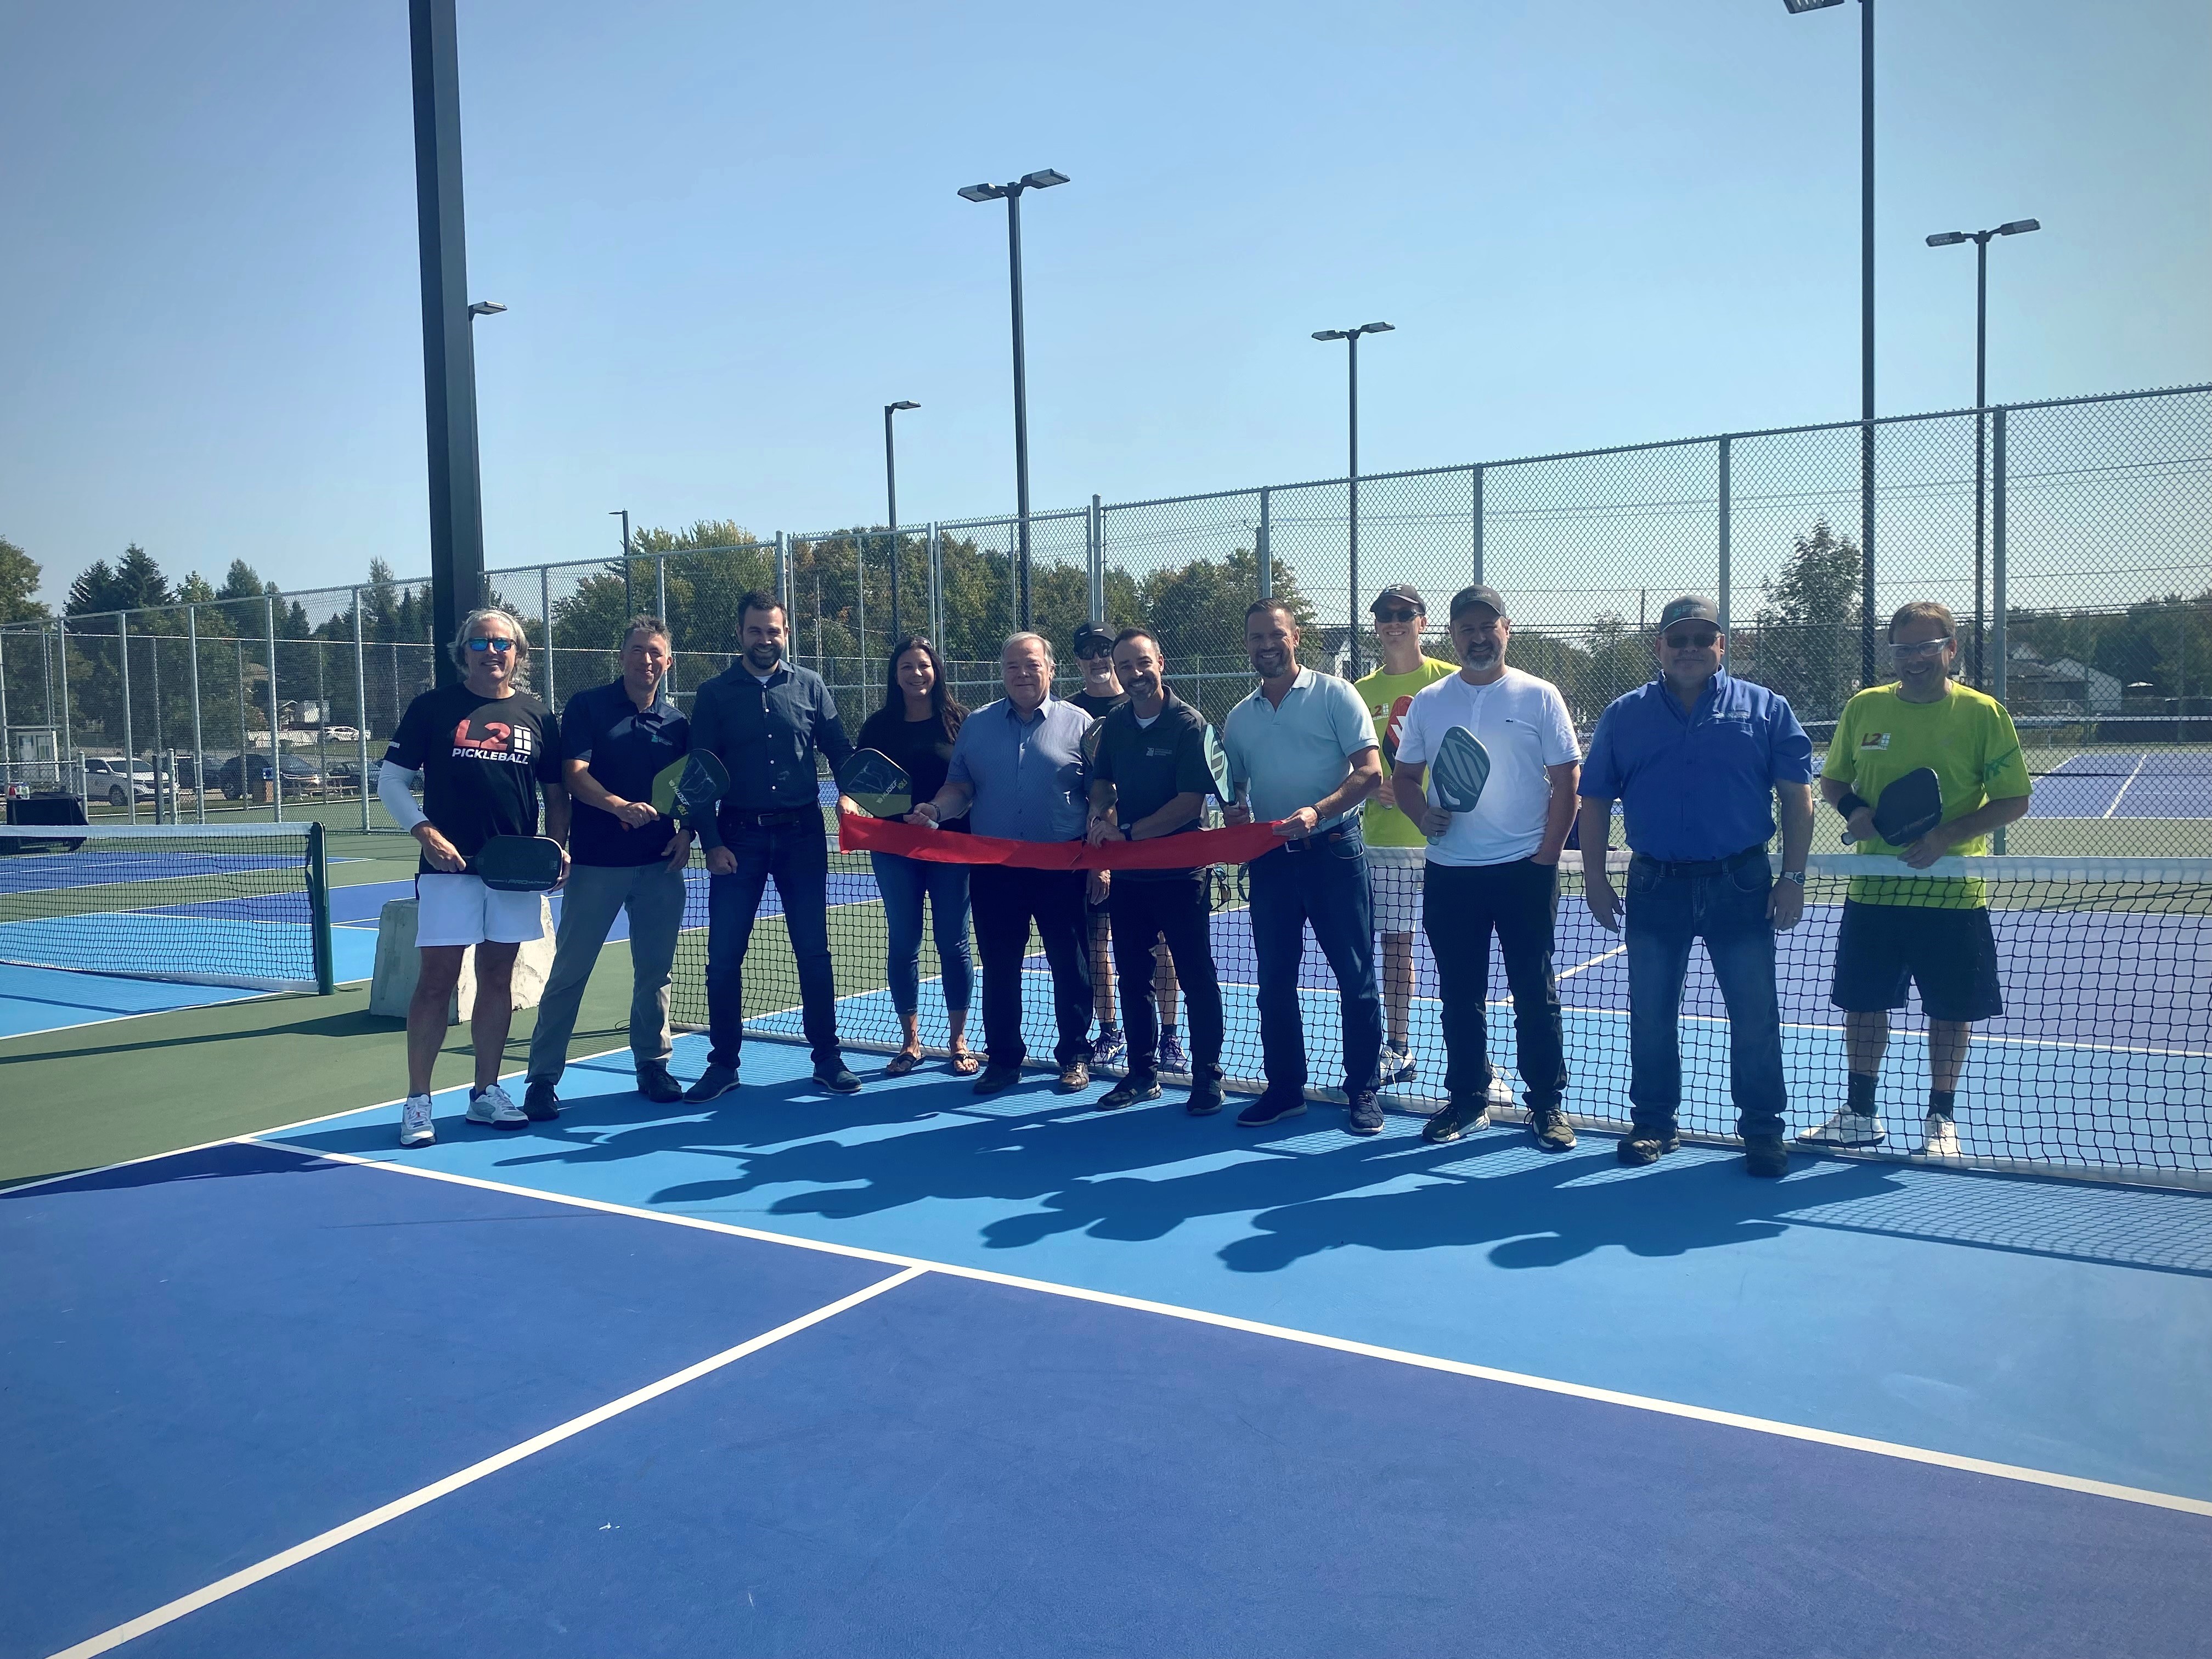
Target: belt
x: 1320, y: 838
x: 761, y: 817
x: 1707, y: 867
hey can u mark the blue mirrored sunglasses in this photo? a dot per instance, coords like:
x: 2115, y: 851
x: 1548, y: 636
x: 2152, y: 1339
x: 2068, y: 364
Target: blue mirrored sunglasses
x: 494, y: 644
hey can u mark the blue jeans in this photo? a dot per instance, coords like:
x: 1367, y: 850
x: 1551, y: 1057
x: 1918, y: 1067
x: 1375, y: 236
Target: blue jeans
x: 794, y: 855
x: 904, y: 883
x: 1729, y: 912
x: 1324, y: 882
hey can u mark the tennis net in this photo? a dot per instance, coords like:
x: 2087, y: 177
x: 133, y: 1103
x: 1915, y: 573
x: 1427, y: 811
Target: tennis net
x: 240, y: 904
x: 2101, y: 1062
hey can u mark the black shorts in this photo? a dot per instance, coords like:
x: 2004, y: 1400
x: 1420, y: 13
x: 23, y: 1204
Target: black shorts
x: 1952, y: 955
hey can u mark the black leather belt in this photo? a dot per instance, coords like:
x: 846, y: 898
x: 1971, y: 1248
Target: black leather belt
x: 767, y: 817
x: 1708, y: 867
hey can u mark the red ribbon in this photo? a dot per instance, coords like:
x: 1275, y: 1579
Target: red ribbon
x: 1240, y: 844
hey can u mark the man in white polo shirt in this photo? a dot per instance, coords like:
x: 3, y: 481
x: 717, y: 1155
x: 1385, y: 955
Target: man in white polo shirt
x: 1496, y: 867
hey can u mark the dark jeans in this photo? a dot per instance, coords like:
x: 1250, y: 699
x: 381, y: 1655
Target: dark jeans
x: 795, y: 855
x: 1324, y: 882
x: 904, y: 883
x: 1005, y: 901
x: 1460, y: 906
x: 1729, y: 912
x: 1177, y: 907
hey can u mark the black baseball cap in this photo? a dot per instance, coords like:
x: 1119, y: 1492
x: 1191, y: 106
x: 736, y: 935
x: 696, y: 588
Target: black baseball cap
x: 1401, y: 592
x: 1479, y: 594
x: 1690, y: 607
x: 1091, y: 633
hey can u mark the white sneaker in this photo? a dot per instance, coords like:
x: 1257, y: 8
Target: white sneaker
x: 416, y: 1128
x: 1393, y: 1065
x: 1500, y: 1092
x: 1846, y: 1128
x: 1939, y: 1137
x: 494, y: 1107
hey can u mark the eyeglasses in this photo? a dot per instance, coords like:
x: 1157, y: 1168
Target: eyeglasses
x: 1398, y: 615
x: 1693, y: 642
x: 491, y: 643
x: 1922, y: 648
x: 1095, y: 648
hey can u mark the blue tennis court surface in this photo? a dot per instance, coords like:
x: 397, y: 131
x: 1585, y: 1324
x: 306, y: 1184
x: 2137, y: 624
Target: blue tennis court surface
x: 1279, y: 1431
x: 33, y: 999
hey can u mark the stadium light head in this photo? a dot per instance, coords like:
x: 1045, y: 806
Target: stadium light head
x: 1376, y: 328
x: 903, y: 405
x: 486, y: 308
x: 1332, y: 334
x: 2017, y: 225
x: 1795, y: 8
x: 981, y: 192
x: 1947, y: 238
x: 1044, y: 180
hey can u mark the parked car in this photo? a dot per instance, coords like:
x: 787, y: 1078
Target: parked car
x: 115, y: 781
x: 300, y: 776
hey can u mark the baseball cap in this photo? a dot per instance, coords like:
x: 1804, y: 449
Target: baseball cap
x: 1090, y: 634
x: 1478, y: 594
x: 1690, y: 607
x: 1405, y: 592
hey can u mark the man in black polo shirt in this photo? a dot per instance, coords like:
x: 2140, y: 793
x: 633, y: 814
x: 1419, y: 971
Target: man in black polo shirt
x: 764, y: 719
x: 1149, y: 778
x: 625, y: 856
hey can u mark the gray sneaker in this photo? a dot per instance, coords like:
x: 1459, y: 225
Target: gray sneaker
x: 1110, y: 1047
x: 495, y: 1106
x: 1172, y: 1058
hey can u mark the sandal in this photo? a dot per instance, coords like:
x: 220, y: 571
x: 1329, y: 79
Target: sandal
x: 903, y: 1062
x: 963, y: 1062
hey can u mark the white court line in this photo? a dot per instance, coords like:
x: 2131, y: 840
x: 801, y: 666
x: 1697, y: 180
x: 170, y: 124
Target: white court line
x: 1580, y: 967
x: 352, y: 1529
x: 2129, y: 785
x: 1316, y: 1340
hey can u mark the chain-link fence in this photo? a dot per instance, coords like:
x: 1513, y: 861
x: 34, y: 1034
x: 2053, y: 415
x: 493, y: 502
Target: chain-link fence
x: 2073, y: 540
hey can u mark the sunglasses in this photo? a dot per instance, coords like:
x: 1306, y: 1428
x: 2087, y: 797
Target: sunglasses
x: 491, y: 644
x: 1398, y: 615
x: 1693, y: 642
x: 1925, y: 648
x: 1095, y: 650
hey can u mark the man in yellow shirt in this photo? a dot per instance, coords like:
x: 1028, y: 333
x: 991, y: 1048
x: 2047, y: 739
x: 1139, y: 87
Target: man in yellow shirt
x: 1396, y: 852
x: 1901, y: 930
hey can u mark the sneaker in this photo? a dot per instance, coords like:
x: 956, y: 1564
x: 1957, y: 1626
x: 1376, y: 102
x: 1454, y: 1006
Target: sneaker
x: 539, y: 1104
x: 1459, y: 1117
x: 1205, y: 1097
x: 1075, y: 1077
x: 1393, y: 1066
x: 1939, y: 1137
x: 494, y: 1106
x: 996, y: 1077
x: 416, y: 1128
x: 1648, y: 1146
x: 837, y: 1077
x: 1172, y: 1058
x: 1271, y: 1109
x: 1366, y: 1115
x: 1550, y: 1129
x: 1109, y: 1047
x: 715, y: 1080
x: 1765, y: 1155
x: 1846, y: 1128
x: 1128, y: 1091
x: 654, y: 1082
x: 1500, y: 1092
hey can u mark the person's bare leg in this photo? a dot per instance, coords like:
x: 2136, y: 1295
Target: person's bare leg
x: 1398, y: 988
x: 1948, y: 1042
x: 1164, y: 988
x: 494, y: 1012
x: 910, y: 1035
x: 1102, y: 972
x: 436, y: 974
x: 1866, y: 1036
x: 958, y: 1019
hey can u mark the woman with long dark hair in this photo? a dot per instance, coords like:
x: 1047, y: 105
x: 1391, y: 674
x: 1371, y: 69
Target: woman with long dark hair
x: 915, y: 727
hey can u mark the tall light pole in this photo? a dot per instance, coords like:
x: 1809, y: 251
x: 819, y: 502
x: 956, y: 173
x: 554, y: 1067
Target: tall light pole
x: 630, y: 601
x: 890, y: 496
x: 1980, y: 238
x: 1866, y: 323
x: 1350, y: 335
x: 1044, y: 180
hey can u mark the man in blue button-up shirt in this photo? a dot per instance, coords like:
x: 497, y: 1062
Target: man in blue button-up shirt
x: 1699, y: 758
x: 1018, y: 772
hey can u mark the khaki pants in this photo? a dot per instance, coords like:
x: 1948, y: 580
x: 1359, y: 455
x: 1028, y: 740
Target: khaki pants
x: 654, y: 896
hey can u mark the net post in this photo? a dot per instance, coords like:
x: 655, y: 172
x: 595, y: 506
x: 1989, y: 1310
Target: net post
x: 200, y: 746
x: 276, y: 749
x: 361, y: 705
x: 318, y: 910
x: 130, y: 757
x: 1997, y: 575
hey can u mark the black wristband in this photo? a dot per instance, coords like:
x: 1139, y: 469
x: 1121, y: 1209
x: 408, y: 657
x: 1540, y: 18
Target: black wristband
x: 1849, y: 803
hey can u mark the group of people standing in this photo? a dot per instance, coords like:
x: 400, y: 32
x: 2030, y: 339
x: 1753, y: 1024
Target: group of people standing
x: 1705, y: 766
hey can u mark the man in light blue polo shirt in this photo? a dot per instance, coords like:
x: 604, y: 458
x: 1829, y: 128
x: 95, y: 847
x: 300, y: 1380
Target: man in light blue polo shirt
x: 1698, y: 759
x: 1016, y: 770
x: 1302, y: 753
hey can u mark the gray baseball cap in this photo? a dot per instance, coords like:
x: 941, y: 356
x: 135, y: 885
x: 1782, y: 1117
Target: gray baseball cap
x: 1478, y: 594
x: 1690, y: 607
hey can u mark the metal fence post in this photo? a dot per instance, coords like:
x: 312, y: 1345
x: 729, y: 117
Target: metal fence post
x: 61, y: 650
x: 1098, y: 559
x: 1726, y: 460
x: 544, y: 610
x: 129, y: 753
x: 661, y: 610
x: 783, y: 572
x: 361, y: 702
x: 199, y: 747
x: 936, y: 586
x: 1477, y: 518
x: 1866, y: 553
x: 7, y: 755
x: 276, y: 749
x: 1997, y: 572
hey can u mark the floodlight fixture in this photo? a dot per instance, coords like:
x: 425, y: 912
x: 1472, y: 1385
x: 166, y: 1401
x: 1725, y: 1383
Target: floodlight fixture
x: 1044, y: 178
x: 2017, y: 225
x: 486, y: 308
x: 1331, y: 334
x: 1377, y: 328
x: 1798, y: 8
x: 1947, y: 238
x: 903, y: 405
x: 981, y: 192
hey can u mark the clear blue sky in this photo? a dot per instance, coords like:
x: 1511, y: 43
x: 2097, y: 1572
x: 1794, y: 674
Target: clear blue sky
x: 728, y: 236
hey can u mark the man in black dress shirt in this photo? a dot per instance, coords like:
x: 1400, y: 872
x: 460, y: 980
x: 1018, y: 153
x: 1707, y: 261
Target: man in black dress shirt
x: 765, y: 720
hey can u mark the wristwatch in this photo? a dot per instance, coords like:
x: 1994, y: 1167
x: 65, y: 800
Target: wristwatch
x: 1797, y: 876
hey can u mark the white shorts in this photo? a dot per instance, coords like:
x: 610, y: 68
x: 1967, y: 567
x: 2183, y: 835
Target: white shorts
x: 1394, y: 880
x: 462, y: 910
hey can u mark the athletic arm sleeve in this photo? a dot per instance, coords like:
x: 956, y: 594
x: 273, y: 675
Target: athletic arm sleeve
x: 391, y: 788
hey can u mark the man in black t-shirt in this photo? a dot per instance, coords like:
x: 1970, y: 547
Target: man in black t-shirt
x: 483, y: 749
x: 1149, y: 778
x: 1101, y: 695
x: 617, y: 737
